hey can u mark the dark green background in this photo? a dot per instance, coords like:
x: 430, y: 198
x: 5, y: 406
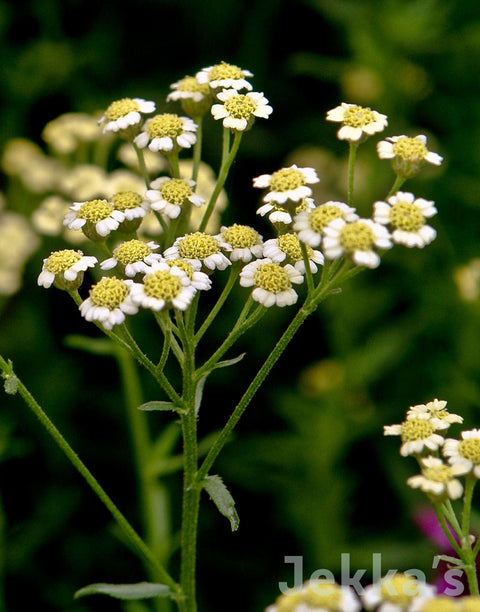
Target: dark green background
x: 311, y: 474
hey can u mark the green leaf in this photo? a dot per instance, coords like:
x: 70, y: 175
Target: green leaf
x: 96, y: 346
x: 160, y: 405
x: 199, y: 393
x: 222, y: 498
x: 228, y: 362
x: 140, y: 590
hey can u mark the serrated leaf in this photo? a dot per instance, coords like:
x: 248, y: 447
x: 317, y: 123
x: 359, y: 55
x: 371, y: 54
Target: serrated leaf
x: 159, y: 405
x: 222, y: 498
x: 140, y: 590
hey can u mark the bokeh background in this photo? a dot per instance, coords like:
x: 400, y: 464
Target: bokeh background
x: 309, y: 468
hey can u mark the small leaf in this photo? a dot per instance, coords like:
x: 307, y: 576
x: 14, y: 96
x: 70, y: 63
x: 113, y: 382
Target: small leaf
x: 228, y: 362
x: 96, y: 346
x: 199, y: 393
x: 159, y: 405
x: 140, y: 590
x: 222, y: 498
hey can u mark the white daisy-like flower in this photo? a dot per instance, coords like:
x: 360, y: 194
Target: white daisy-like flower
x: 272, y: 282
x: 194, y: 97
x: 65, y: 268
x: 134, y: 256
x: 464, y: 452
x: 357, y: 239
x: 438, y: 478
x: 168, y: 133
x: 440, y: 603
x: 309, y: 224
x: 199, y: 247
x: 109, y: 301
x: 317, y: 596
x: 286, y: 248
x: 164, y: 286
x: 124, y: 113
x: 358, y: 122
x: 439, y: 416
x: 198, y: 279
x: 97, y: 218
x: 408, y: 154
x: 242, y: 242
x: 169, y: 195
x: 406, y: 216
x: 225, y: 76
x: 395, y: 593
x: 130, y: 203
x: 276, y: 213
x: 287, y: 184
x: 238, y: 111
x: 416, y: 433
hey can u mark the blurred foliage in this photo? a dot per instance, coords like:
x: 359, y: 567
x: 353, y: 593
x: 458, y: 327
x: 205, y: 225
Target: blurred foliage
x: 309, y: 469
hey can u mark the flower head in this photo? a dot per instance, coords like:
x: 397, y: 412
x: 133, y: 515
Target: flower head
x: 242, y: 242
x: 169, y: 195
x: 97, y: 218
x: 272, y: 282
x: 238, y: 111
x: 440, y: 603
x: 194, y: 97
x: 470, y: 603
x: 357, y: 238
x: 134, y: 256
x: 199, y: 247
x: 287, y: 184
x: 406, y: 217
x: 108, y: 302
x: 439, y: 479
x: 125, y: 113
x: 66, y: 132
x: 65, y: 268
x: 440, y: 417
x: 317, y: 596
x: 310, y: 224
x: 130, y: 203
x: 395, y: 593
x: 167, y: 132
x: 286, y: 248
x: 416, y: 432
x: 407, y: 154
x: 198, y: 279
x: 164, y: 286
x: 358, y: 122
x: 225, y: 76
x: 465, y: 452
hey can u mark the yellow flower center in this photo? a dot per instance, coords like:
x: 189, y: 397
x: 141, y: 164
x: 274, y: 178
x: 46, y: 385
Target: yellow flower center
x: 272, y: 278
x: 60, y: 261
x: 190, y: 84
x: 197, y: 246
x: 410, y: 149
x: 470, y: 449
x: 240, y: 106
x: 126, y: 200
x: 183, y: 265
x: 322, y: 215
x: 358, y: 116
x: 440, y: 473
x: 175, y: 191
x: 399, y: 590
x: 286, y: 179
x: 323, y: 595
x: 166, y: 125
x: 441, y: 604
x: 416, y: 429
x: 121, y: 108
x: 406, y: 216
x: 357, y: 236
x: 131, y: 251
x: 470, y: 603
x: 290, y: 245
x: 288, y: 602
x: 109, y: 293
x: 241, y: 236
x: 95, y: 210
x: 225, y: 71
x: 162, y: 285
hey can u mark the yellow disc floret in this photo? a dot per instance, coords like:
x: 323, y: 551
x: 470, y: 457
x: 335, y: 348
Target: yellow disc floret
x: 240, y: 106
x: 358, y: 116
x: 322, y: 215
x: 95, y: 210
x: 131, y: 251
x: 126, y: 200
x: 225, y: 71
x: 198, y: 246
x: 411, y: 149
x: 470, y: 449
x: 470, y: 603
x: 175, y: 191
x: 439, y: 473
x: 60, y: 261
x: 182, y: 265
x: 323, y: 595
x: 166, y: 125
x: 290, y: 245
x: 286, y: 179
x: 416, y: 429
x: 406, y: 216
x: 272, y: 278
x: 162, y: 285
x: 109, y: 293
x: 121, y: 108
x: 241, y: 236
x: 191, y: 85
x: 357, y: 236
x: 440, y: 604
x: 288, y: 602
x: 401, y: 589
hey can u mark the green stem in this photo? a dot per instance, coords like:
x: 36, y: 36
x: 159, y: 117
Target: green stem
x: 222, y: 177
x: 142, y: 165
x: 306, y: 263
x: 352, y: 154
x: 137, y: 543
x: 398, y: 182
x: 174, y: 165
x: 446, y: 530
x: 197, y: 148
